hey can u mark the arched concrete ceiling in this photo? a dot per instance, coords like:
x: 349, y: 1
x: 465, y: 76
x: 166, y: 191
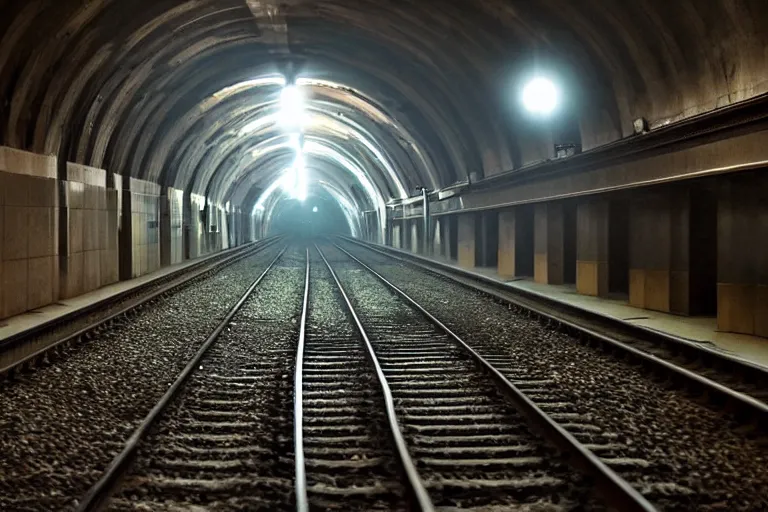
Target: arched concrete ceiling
x: 413, y: 93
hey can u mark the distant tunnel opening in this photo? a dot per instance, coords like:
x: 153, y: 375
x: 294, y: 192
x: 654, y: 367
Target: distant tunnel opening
x: 318, y: 215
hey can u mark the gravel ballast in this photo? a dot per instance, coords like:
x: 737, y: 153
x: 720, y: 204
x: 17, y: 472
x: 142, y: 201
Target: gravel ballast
x: 226, y: 442
x: 61, y: 425
x: 350, y: 454
x: 471, y: 448
x: 712, y: 463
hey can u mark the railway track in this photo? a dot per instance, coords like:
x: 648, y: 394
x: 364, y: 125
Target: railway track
x: 382, y: 420
x: 328, y: 387
x: 726, y: 381
x: 470, y: 430
x: 348, y: 456
x: 223, y: 444
x: 212, y: 449
x: 40, y: 345
x: 62, y: 423
x: 637, y: 419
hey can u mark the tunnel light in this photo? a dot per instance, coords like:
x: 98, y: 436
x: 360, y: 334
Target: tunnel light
x: 541, y: 96
x: 294, y: 182
x: 292, y: 115
x: 314, y: 209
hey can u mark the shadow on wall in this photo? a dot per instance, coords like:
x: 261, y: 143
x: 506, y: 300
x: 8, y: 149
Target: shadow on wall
x: 316, y: 216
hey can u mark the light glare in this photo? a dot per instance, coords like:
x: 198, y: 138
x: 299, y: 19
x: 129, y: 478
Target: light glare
x: 292, y: 108
x: 540, y: 96
x: 295, y: 180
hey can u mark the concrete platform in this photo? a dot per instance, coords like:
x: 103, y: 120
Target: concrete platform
x: 30, y: 319
x: 697, y: 329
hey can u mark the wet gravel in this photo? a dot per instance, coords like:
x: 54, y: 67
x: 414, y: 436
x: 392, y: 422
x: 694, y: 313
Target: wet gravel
x: 61, y: 425
x: 226, y: 442
x: 684, y: 442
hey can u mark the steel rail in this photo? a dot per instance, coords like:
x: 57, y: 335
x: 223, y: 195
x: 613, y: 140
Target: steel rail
x: 214, y: 259
x: 757, y: 410
x: 302, y: 500
x: 617, y: 492
x: 416, y: 487
x: 98, y: 494
x: 16, y: 340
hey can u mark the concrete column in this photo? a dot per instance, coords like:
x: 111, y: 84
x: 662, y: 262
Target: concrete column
x: 414, y: 234
x: 165, y: 228
x: 438, y: 243
x: 446, y: 224
x: 466, y: 227
x: 396, y: 235
x: 592, y: 247
x: 548, y: 243
x: 139, y: 239
x: 742, y: 259
x: 506, y: 267
x: 659, y: 258
x: 486, y: 235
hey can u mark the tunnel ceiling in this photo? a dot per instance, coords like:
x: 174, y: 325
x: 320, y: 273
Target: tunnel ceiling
x: 409, y: 93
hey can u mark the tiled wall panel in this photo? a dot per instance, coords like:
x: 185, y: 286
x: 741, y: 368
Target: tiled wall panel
x: 29, y: 276
x: 90, y: 208
x: 145, y: 227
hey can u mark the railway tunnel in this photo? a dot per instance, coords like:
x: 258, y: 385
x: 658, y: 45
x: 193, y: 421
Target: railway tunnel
x: 358, y: 255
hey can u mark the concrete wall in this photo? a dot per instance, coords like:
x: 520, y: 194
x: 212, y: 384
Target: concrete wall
x: 28, y: 231
x: 171, y: 227
x: 145, y: 226
x: 742, y: 238
x: 209, y: 229
x: 61, y: 237
x: 89, y: 252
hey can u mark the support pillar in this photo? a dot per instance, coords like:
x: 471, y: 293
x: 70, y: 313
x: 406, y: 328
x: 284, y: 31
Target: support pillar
x: 548, y: 243
x: 396, y: 235
x: 659, y: 273
x: 466, y: 245
x: 592, y: 247
x: 487, y: 243
x: 742, y: 259
x: 165, y: 228
x: 427, y: 227
x: 438, y: 243
x: 414, y: 234
x: 506, y: 267
x: 449, y: 234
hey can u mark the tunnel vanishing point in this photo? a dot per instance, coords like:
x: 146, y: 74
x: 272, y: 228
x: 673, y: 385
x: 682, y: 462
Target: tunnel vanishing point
x: 616, y: 146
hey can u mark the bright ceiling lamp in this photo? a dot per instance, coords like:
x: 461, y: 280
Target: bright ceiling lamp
x: 541, y: 96
x: 292, y: 112
x: 294, y: 181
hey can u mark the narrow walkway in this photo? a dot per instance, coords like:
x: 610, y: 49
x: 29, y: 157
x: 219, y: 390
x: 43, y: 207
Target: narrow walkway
x: 697, y: 329
x: 30, y: 319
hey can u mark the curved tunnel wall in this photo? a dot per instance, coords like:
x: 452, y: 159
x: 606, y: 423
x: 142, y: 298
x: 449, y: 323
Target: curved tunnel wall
x: 151, y: 119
